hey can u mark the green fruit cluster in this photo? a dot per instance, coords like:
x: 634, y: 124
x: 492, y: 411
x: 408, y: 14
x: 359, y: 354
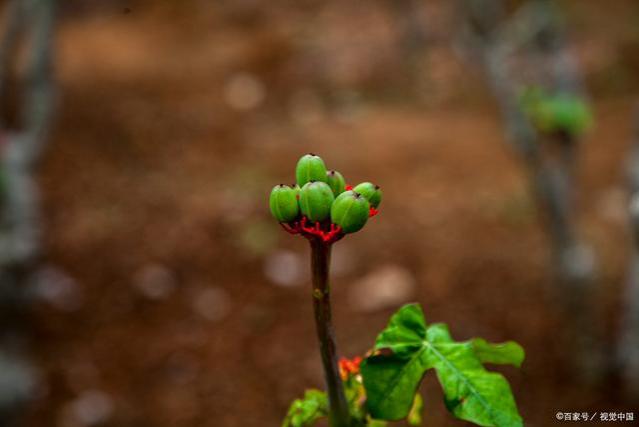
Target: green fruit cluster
x: 320, y: 195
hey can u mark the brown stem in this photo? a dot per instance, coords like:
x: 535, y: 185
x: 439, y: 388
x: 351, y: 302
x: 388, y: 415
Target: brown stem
x: 320, y: 259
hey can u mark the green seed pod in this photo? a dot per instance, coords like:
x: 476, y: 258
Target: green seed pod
x: 310, y: 168
x: 316, y: 199
x: 284, y: 204
x: 372, y: 192
x: 350, y: 211
x: 336, y: 182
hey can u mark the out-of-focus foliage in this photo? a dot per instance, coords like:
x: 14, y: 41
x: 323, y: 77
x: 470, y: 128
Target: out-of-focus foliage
x: 561, y: 112
x: 306, y: 411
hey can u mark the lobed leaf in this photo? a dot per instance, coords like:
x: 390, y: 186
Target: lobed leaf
x: 408, y: 348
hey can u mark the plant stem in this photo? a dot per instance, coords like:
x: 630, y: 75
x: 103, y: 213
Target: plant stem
x: 320, y: 259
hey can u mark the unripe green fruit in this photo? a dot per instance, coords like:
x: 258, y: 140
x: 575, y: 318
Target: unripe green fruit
x: 336, y: 182
x: 350, y: 211
x: 310, y: 168
x: 316, y: 199
x: 284, y: 204
x: 372, y: 193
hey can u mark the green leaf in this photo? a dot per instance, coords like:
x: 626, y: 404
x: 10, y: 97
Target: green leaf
x: 507, y: 353
x: 305, y: 412
x: 556, y: 112
x: 405, y: 332
x: 566, y: 112
x: 408, y: 348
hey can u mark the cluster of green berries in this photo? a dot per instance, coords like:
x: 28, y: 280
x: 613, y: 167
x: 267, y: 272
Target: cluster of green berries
x: 322, y: 197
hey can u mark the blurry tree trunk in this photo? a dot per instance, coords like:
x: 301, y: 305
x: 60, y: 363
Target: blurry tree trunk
x: 29, y: 24
x: 550, y: 159
x: 628, y: 346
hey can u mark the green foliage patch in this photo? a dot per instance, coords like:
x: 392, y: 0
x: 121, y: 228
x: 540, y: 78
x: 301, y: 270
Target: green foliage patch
x: 408, y: 348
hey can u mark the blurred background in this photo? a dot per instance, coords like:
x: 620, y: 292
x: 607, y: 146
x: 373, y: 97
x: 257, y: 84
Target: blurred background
x: 144, y: 282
